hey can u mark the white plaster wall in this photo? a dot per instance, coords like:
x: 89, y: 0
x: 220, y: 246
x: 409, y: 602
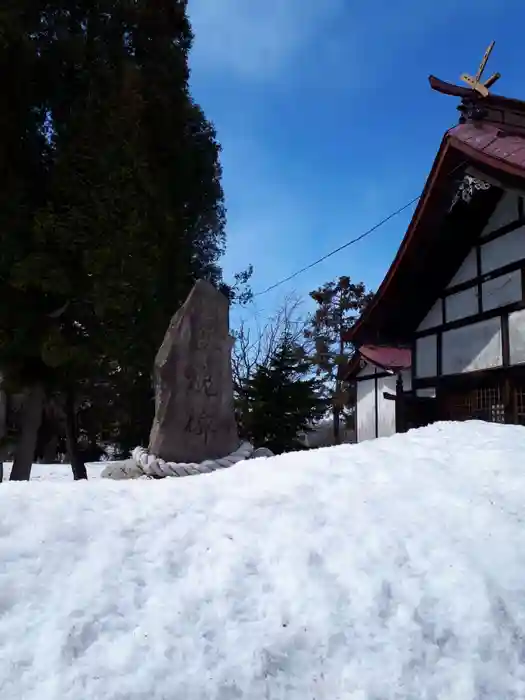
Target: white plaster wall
x: 517, y: 337
x: 386, y: 409
x: 502, y: 290
x: 473, y: 347
x: 467, y: 271
x: 504, y: 250
x: 426, y: 356
x: 366, y: 410
x: 367, y: 371
x: 429, y: 393
x: 505, y: 213
x: 433, y: 318
x: 461, y: 304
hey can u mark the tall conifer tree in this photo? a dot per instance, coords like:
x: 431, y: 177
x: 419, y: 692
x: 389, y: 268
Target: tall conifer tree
x: 112, y: 207
x: 338, y: 305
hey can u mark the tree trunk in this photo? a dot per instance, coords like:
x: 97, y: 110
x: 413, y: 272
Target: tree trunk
x: 338, y: 384
x: 77, y: 463
x: 337, y: 425
x: 3, y: 431
x: 31, y: 419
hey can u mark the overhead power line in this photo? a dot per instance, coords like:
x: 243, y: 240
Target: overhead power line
x: 339, y: 249
x: 358, y: 238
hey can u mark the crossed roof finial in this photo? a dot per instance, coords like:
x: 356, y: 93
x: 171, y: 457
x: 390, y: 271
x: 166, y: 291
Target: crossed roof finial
x: 475, y: 82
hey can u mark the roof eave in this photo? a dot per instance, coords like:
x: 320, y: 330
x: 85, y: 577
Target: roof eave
x: 453, y: 154
x: 437, y: 173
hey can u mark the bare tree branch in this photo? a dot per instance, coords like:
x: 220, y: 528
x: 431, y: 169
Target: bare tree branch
x: 255, y: 342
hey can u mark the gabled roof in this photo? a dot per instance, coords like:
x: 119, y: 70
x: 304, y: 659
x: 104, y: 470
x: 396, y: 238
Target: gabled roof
x: 431, y: 252
x: 386, y: 357
x: 383, y: 357
x: 488, y: 144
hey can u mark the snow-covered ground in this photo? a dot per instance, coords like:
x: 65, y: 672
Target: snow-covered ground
x: 393, y: 569
x: 57, y: 472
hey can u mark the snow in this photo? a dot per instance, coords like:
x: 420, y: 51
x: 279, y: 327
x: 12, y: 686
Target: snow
x: 393, y: 569
x: 57, y: 472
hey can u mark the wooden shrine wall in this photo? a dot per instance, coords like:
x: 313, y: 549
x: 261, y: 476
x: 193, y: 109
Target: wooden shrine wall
x: 478, y: 323
x: 376, y: 415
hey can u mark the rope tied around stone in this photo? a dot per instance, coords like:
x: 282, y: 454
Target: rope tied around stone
x: 157, y: 467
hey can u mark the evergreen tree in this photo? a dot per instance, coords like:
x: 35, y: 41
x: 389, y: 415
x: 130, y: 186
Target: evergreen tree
x: 111, y: 208
x: 281, y: 400
x: 24, y: 164
x: 339, y: 305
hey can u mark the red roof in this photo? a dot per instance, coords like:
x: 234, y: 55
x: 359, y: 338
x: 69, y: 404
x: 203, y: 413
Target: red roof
x: 489, y: 143
x: 386, y: 357
x: 483, y: 145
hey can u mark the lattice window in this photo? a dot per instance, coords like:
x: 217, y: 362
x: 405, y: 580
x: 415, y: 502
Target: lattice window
x: 459, y: 406
x: 489, y: 404
x: 497, y: 413
x: 484, y: 403
x: 519, y: 405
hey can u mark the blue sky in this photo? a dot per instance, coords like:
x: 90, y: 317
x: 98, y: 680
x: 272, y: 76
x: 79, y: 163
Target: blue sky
x: 327, y: 121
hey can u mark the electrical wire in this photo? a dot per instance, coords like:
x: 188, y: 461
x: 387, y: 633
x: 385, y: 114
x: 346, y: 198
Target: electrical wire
x: 339, y: 249
x: 353, y: 240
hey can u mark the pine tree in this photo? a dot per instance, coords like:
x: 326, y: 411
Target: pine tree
x: 111, y: 207
x: 24, y: 164
x: 281, y: 400
x: 339, y: 305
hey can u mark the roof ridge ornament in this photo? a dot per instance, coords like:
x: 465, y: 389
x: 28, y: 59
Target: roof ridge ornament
x: 475, y: 82
x: 468, y: 185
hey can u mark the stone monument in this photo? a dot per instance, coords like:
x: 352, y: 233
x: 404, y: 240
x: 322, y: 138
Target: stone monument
x: 194, y: 429
x: 194, y: 408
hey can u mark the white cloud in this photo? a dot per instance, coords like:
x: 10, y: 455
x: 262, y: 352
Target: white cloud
x: 256, y: 39
x: 278, y: 219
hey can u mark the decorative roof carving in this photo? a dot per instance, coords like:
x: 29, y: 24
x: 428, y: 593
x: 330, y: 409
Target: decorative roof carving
x: 466, y: 189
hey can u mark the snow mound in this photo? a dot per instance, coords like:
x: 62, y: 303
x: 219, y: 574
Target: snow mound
x: 389, y: 569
